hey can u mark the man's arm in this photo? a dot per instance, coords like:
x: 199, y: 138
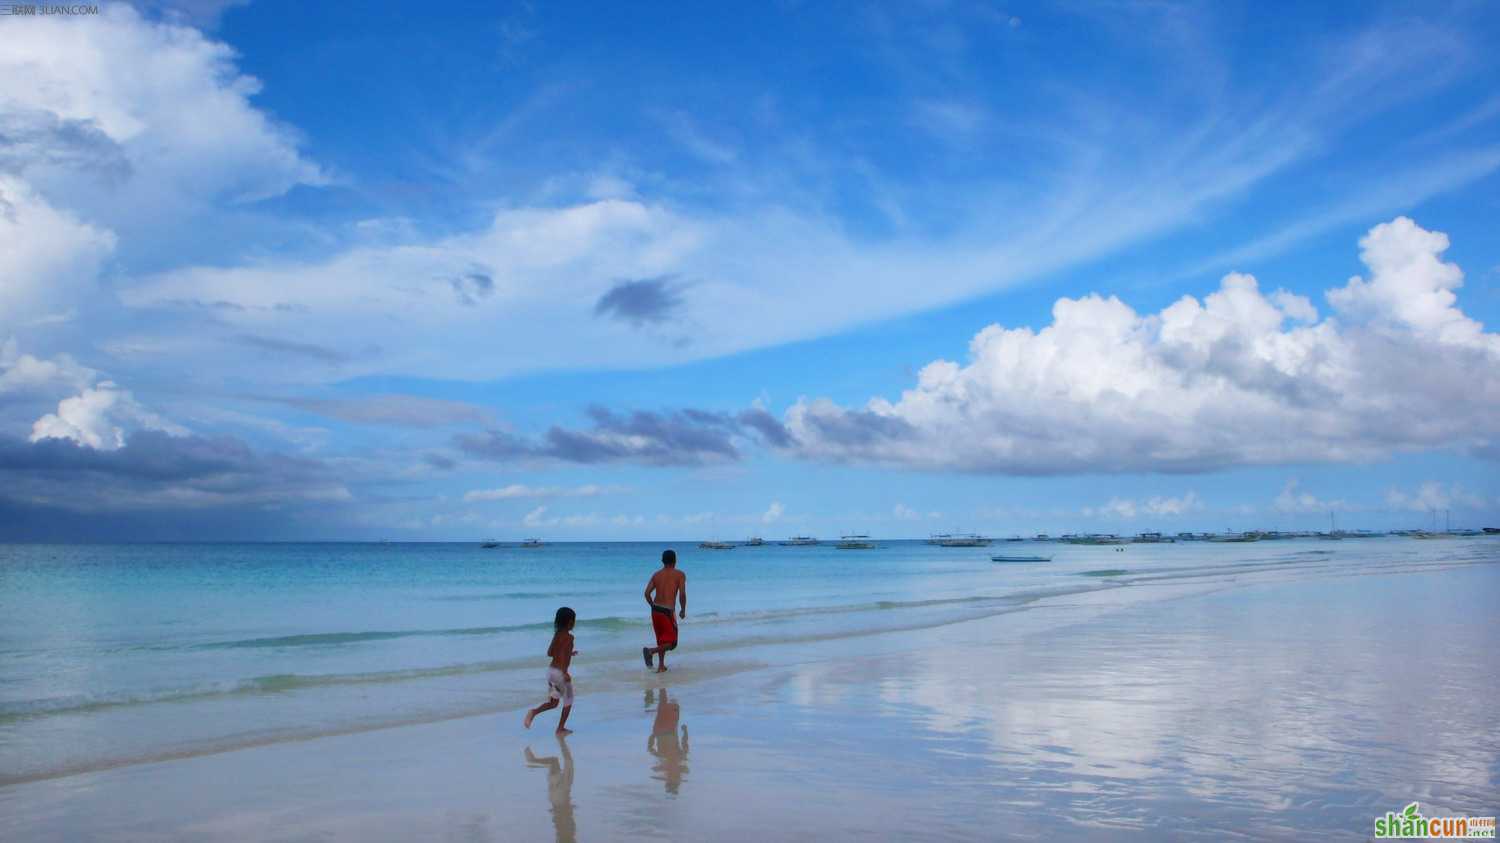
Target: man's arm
x: 650, y: 587
x: 682, y: 596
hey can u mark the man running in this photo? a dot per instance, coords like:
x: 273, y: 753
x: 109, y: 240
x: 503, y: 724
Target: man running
x: 666, y: 586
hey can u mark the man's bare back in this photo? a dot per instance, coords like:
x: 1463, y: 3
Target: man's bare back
x: 665, y: 584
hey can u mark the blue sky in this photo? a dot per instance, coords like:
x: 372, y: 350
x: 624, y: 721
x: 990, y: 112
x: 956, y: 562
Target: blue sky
x: 593, y: 271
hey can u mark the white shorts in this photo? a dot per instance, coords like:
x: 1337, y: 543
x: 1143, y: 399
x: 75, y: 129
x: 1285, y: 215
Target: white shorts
x: 559, y: 687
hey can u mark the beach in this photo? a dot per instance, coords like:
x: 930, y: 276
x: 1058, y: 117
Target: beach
x: 1278, y: 690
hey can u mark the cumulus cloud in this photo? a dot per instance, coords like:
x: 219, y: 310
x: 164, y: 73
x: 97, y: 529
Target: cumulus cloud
x: 99, y: 417
x: 1293, y: 499
x: 773, y: 513
x: 1156, y: 506
x: 115, y: 128
x: 1239, y: 378
x: 1433, y: 496
x: 678, y: 437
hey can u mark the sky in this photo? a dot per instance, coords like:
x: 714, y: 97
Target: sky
x: 275, y: 271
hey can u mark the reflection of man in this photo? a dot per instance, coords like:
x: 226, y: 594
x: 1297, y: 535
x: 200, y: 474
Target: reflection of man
x: 559, y: 789
x: 671, y: 756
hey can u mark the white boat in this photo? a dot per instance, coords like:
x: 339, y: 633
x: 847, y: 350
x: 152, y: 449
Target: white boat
x: 800, y: 541
x: 715, y: 545
x: 855, y: 542
x: 1004, y: 558
x: 964, y: 540
x: 755, y: 541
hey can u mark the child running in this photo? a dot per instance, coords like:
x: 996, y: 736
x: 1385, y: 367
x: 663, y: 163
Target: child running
x: 559, y: 681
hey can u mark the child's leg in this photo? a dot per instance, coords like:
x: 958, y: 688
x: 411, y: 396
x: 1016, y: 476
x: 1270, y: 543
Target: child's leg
x: 562, y: 722
x: 546, y: 706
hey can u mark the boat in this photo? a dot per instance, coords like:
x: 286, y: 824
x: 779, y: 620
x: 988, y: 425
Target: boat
x: 800, y: 541
x: 1042, y: 537
x: 532, y: 543
x: 1491, y: 531
x: 1093, y: 538
x: 1152, y: 538
x: 1015, y: 539
x: 939, y: 538
x: 855, y: 542
x: 715, y: 546
x: 754, y: 541
x: 489, y: 543
x: 964, y: 540
x: 1235, y: 538
x: 1004, y: 558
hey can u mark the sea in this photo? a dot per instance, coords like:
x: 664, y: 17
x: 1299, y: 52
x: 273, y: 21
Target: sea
x: 119, y: 654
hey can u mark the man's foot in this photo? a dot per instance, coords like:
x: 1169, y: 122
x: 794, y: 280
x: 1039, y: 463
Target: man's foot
x: 646, y: 654
x: 530, y: 713
x: 562, y: 731
x: 662, y: 669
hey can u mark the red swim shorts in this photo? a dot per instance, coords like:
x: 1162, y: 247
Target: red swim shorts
x: 665, y: 626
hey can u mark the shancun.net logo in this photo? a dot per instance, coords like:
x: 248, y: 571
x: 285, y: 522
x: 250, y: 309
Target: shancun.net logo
x: 1411, y: 823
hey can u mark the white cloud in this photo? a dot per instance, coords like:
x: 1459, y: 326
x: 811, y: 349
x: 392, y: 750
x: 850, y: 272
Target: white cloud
x: 903, y: 512
x: 49, y: 257
x: 773, y: 513
x: 521, y: 490
x: 1291, y: 499
x: 1157, y: 506
x: 25, y: 373
x: 112, y: 129
x: 1239, y: 378
x: 1433, y: 496
x: 100, y: 417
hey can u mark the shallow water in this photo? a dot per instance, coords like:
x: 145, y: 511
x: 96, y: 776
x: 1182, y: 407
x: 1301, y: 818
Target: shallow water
x: 116, y: 654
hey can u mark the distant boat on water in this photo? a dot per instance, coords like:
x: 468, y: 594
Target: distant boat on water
x: 532, y: 543
x: 1153, y: 538
x: 755, y: 541
x: 1093, y: 539
x: 489, y: 543
x: 715, y: 546
x: 1004, y: 558
x: 964, y: 540
x: 800, y: 541
x: 855, y: 542
x: 1492, y: 531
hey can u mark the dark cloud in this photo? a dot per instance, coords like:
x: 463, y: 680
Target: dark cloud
x: 159, y: 476
x: 471, y: 287
x: 393, y: 410
x: 674, y: 438
x: 29, y: 137
x: 316, y: 352
x: 641, y: 302
x: 858, y: 427
x: 440, y: 461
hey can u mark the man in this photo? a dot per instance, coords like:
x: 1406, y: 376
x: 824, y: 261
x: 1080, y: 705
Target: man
x: 666, y: 586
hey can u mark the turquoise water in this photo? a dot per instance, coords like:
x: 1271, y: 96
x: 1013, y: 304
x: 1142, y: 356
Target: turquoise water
x: 111, y: 654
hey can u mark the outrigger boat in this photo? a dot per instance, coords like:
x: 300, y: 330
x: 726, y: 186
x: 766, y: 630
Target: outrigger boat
x: 1003, y: 558
x: 800, y: 541
x: 532, y: 543
x: 715, y: 545
x: 855, y: 542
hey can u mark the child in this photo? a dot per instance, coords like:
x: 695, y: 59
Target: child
x: 559, y: 681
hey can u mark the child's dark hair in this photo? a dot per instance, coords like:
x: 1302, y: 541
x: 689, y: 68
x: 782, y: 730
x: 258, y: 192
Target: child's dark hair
x: 564, y: 619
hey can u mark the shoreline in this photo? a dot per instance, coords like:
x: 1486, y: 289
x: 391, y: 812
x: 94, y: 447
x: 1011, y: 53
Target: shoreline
x: 1216, y: 701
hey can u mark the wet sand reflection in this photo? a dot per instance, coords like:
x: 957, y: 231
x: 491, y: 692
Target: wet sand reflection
x: 559, y: 789
x: 668, y: 743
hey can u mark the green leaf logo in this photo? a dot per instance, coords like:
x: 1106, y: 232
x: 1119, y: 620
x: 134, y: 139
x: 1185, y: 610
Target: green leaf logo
x: 1411, y: 811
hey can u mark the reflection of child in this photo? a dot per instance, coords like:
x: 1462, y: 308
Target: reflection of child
x: 559, y: 681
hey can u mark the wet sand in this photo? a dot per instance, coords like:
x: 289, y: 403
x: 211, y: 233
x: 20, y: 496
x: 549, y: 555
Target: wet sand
x: 1228, y: 708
